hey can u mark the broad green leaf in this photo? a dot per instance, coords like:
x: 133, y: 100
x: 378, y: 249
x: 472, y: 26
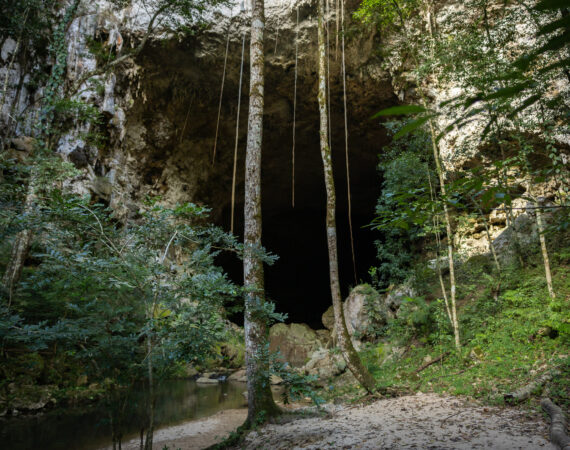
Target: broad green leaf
x: 399, y: 111
x: 411, y: 126
x: 564, y: 22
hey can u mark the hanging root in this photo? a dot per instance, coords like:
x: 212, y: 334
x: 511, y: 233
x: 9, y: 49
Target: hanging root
x: 294, y: 112
x: 558, y: 434
x: 221, y: 93
x: 346, y: 146
x: 237, y: 138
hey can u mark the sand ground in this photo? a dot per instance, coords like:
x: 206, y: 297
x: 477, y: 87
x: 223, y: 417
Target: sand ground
x: 422, y: 421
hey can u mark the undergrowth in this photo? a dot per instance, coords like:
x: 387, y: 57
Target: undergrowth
x: 507, y: 343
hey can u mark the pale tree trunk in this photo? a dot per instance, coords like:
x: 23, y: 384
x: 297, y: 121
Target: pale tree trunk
x: 545, y: 258
x: 447, y: 217
x: 439, y: 170
x: 21, y: 245
x: 349, y: 354
x: 435, y: 222
x: 540, y: 228
x: 259, y: 395
x: 150, y: 431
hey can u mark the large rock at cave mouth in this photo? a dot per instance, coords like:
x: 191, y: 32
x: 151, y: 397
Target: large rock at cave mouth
x: 363, y: 309
x: 296, y: 342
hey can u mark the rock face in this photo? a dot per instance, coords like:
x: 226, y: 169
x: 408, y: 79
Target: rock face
x: 325, y: 364
x: 364, y: 308
x: 396, y: 296
x: 296, y: 342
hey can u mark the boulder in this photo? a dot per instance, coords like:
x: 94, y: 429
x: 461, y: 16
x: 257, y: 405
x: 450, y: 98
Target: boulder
x: 324, y: 364
x: 240, y: 376
x: 190, y: 371
x: 24, y: 144
x: 296, y: 342
x: 204, y: 380
x: 328, y: 318
x: 325, y: 336
x: 356, y: 311
x: 396, y: 295
x: 364, y: 310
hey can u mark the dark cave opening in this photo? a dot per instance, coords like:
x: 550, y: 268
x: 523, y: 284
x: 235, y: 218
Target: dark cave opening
x: 298, y: 282
x: 181, y: 89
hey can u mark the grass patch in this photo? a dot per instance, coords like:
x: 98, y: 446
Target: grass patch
x: 507, y: 343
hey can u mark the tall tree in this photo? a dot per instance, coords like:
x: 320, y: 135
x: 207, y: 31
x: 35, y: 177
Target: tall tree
x: 260, y: 399
x: 349, y: 354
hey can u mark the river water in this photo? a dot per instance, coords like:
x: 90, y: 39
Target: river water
x: 88, y: 428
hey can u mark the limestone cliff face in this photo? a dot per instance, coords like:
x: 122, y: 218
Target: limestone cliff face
x: 160, y: 108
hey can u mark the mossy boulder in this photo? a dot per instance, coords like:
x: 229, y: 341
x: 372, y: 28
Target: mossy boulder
x: 296, y: 342
x: 328, y: 318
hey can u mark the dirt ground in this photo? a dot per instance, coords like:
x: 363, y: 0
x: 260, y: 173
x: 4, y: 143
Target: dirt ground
x: 422, y: 421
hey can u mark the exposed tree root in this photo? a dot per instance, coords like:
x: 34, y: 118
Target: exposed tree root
x: 526, y: 391
x: 433, y: 361
x: 558, y: 434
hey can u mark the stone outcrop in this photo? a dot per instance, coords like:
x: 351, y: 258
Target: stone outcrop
x: 363, y: 309
x: 295, y: 342
x: 324, y: 364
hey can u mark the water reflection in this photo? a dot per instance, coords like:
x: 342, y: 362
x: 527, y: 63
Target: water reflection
x: 88, y: 428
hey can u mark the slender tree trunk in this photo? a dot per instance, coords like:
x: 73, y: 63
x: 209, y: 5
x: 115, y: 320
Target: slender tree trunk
x: 439, y: 169
x: 256, y: 331
x: 348, y: 352
x: 545, y: 258
x: 150, y: 431
x: 21, y: 245
x: 23, y: 239
x: 435, y: 222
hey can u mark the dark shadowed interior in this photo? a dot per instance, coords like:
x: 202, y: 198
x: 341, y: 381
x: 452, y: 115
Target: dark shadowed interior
x: 299, y: 280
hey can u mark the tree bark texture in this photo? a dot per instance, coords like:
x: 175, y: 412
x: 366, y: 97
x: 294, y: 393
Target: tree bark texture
x: 558, y: 425
x: 545, y: 258
x: 527, y: 390
x: 349, y: 354
x: 447, y: 217
x: 21, y: 245
x: 256, y: 331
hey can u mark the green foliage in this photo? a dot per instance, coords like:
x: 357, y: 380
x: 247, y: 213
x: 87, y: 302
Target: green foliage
x: 27, y: 21
x: 404, y: 206
x: 109, y: 298
x: 420, y: 320
x: 386, y: 12
x: 507, y: 343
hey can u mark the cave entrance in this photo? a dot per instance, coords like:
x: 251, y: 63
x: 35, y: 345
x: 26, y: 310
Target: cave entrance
x: 298, y: 282
x: 180, y: 118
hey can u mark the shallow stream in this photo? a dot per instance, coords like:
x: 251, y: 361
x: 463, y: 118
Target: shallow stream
x: 88, y: 428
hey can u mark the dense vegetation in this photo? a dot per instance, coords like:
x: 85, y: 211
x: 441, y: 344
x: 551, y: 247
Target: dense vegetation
x: 93, y: 305
x: 513, y: 310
